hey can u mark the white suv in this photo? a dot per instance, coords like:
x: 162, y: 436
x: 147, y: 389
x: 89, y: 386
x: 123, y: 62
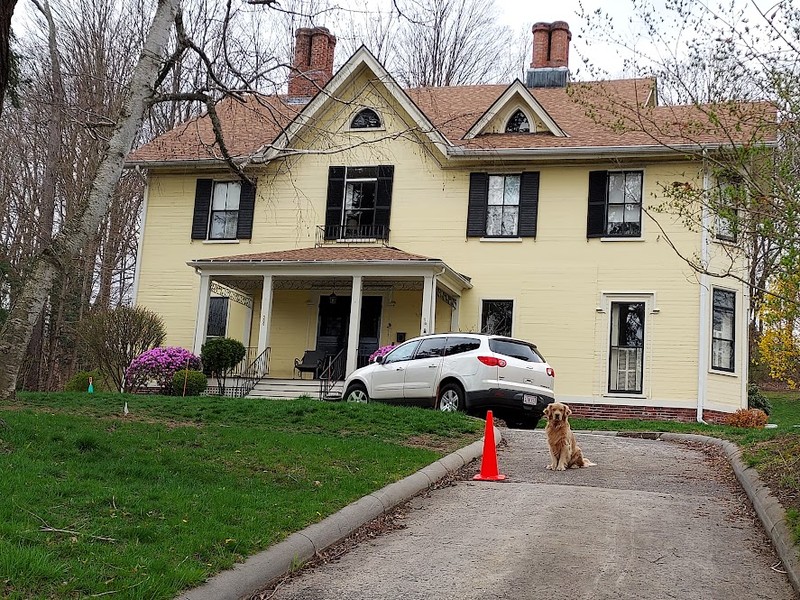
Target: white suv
x: 460, y: 371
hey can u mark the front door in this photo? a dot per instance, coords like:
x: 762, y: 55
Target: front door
x: 334, y: 325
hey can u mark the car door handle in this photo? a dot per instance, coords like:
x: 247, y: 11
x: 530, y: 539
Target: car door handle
x: 399, y: 369
x: 432, y: 366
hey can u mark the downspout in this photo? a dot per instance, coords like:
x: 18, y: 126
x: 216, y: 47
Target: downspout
x: 702, y: 362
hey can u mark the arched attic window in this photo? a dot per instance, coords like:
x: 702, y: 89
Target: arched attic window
x: 366, y: 119
x: 518, y: 123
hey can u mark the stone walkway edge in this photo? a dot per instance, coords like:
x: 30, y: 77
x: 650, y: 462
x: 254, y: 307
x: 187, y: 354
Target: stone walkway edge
x: 259, y: 570
x: 254, y: 574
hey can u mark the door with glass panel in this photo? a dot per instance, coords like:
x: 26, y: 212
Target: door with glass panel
x: 626, y: 352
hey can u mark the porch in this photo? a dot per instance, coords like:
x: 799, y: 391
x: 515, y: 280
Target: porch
x: 340, y: 303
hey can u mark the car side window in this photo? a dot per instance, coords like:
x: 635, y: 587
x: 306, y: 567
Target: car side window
x: 430, y: 348
x: 404, y: 352
x: 459, y: 345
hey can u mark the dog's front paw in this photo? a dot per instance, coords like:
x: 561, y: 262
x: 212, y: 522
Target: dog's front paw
x: 561, y: 468
x: 549, y: 467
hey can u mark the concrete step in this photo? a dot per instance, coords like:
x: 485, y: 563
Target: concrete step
x: 292, y: 388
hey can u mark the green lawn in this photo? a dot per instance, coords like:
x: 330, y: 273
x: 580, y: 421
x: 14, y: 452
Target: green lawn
x: 93, y: 503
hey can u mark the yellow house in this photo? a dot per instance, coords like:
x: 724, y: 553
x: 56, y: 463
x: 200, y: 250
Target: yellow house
x: 371, y: 213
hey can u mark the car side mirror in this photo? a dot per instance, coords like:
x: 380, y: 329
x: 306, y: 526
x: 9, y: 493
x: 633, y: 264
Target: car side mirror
x: 379, y: 359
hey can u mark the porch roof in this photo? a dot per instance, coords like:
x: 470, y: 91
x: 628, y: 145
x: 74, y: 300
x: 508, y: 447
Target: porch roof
x: 332, y: 254
x: 338, y: 257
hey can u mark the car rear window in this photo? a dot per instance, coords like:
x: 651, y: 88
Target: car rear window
x: 459, y: 345
x: 516, y: 349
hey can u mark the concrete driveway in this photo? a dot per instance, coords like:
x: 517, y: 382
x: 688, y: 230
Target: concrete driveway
x: 654, y: 520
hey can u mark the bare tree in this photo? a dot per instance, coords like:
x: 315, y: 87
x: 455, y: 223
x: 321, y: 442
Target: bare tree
x: 451, y: 42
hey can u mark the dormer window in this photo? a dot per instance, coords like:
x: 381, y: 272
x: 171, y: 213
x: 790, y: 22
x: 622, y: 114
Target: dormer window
x: 366, y: 119
x: 518, y: 123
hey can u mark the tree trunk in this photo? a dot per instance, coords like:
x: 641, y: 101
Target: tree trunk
x: 6, y: 12
x: 79, y: 229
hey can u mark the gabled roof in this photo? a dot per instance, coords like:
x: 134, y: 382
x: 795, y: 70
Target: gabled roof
x: 259, y: 127
x: 515, y: 89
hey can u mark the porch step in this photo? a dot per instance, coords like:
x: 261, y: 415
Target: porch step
x: 292, y: 388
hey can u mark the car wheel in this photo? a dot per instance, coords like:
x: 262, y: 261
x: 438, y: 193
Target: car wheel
x: 356, y: 393
x: 451, y: 398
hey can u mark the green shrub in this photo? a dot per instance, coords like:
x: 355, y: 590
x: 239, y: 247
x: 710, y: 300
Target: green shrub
x: 220, y: 355
x: 755, y: 399
x: 80, y: 382
x: 196, y: 383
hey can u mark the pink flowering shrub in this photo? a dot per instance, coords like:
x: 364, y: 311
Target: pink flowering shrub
x: 382, y: 351
x: 159, y: 365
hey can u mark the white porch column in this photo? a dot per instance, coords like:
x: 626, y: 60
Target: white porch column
x: 201, y: 324
x: 454, y: 315
x: 355, y: 325
x: 266, y: 314
x: 428, y: 320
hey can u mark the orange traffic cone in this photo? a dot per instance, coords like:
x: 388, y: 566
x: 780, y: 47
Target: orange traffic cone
x: 489, y: 460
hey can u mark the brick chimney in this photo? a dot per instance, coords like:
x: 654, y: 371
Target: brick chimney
x: 312, y: 67
x: 550, y: 61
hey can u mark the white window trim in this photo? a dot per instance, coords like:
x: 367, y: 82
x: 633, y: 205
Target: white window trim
x: 642, y: 230
x: 519, y: 198
x: 499, y: 239
x: 650, y: 308
x: 736, y: 332
x: 209, y: 239
x: 382, y: 126
x: 498, y: 299
x: 531, y: 121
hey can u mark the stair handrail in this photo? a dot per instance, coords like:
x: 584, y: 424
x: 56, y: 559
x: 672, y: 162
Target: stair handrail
x: 255, y: 372
x: 332, y: 373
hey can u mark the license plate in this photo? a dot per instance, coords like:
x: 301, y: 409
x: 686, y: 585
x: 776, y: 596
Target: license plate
x: 529, y: 399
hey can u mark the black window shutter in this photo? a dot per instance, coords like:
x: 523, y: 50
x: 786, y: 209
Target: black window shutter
x: 333, y: 209
x: 596, y: 215
x: 383, y: 201
x: 476, y: 210
x: 202, y: 206
x: 247, y: 204
x: 528, y: 204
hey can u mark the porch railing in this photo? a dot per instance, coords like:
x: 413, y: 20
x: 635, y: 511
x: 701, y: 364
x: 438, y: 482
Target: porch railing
x: 333, y: 371
x: 242, y: 381
x: 244, y: 364
x: 350, y: 233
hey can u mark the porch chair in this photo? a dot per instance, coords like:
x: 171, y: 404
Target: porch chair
x: 310, y: 363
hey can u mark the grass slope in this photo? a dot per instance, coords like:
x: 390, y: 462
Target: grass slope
x: 145, y: 505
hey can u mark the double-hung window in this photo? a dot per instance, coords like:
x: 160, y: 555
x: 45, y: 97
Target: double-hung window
x: 224, y: 219
x: 723, y: 334
x: 502, y: 212
x: 615, y: 204
x: 503, y: 206
x: 223, y: 210
x: 728, y: 199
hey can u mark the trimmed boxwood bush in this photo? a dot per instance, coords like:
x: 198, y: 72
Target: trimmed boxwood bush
x: 196, y: 382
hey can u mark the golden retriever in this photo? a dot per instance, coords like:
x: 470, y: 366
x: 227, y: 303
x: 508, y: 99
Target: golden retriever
x: 564, y: 451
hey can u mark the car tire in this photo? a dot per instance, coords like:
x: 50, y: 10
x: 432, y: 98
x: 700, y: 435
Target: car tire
x: 357, y: 393
x: 451, y: 398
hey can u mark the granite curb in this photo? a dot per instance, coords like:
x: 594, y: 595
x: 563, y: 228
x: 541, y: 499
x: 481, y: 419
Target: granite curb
x: 769, y: 510
x: 247, y: 578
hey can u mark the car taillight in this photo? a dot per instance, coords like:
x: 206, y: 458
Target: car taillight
x: 492, y: 361
x: 550, y: 372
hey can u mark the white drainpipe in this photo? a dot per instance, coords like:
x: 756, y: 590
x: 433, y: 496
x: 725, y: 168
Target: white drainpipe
x: 705, y: 329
